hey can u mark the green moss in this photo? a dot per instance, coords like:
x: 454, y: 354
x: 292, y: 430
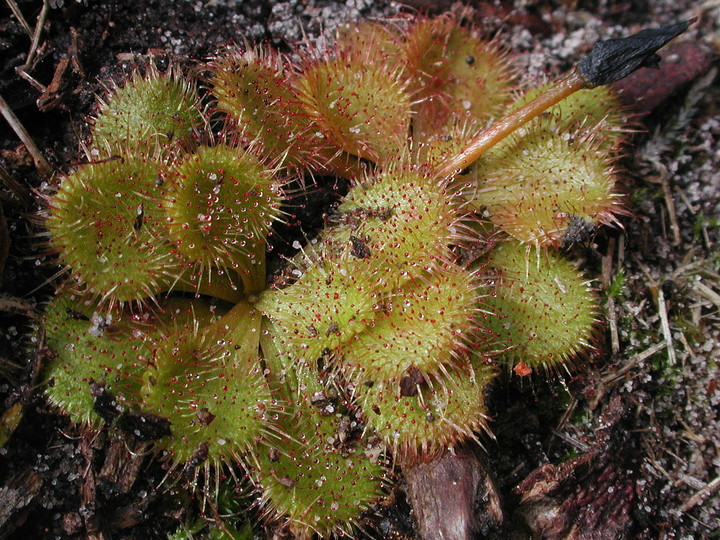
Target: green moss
x: 701, y: 224
x: 616, y: 284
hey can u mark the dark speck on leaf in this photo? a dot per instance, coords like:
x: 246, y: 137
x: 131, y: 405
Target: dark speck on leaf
x: 76, y: 315
x: 360, y: 249
x: 409, y: 384
x: 204, y: 416
x: 137, y: 225
x: 578, y: 231
x: 333, y: 328
x: 198, y: 457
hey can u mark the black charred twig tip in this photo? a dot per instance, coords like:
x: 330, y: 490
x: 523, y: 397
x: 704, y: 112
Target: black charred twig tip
x: 615, y: 59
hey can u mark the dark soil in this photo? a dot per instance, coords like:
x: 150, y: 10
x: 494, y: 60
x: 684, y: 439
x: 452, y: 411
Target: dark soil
x: 626, y: 446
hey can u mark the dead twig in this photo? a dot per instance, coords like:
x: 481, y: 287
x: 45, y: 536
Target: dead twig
x: 707, y: 293
x: 607, y: 265
x: 19, y: 16
x: 15, y: 188
x: 15, y: 305
x: 36, y: 33
x: 670, y: 204
x: 696, y: 499
x: 687, y: 346
x: 640, y: 357
x: 573, y: 441
x: 42, y: 164
x: 665, y: 327
x: 689, y: 480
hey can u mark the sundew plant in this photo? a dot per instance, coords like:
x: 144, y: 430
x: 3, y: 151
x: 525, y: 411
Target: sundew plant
x: 373, y: 349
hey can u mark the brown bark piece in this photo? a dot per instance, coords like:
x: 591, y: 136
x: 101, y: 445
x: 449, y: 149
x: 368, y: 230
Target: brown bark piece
x: 16, y: 500
x: 4, y: 240
x: 453, y: 496
x: 588, y: 497
x: 88, y: 490
x: 121, y: 466
x: 130, y: 515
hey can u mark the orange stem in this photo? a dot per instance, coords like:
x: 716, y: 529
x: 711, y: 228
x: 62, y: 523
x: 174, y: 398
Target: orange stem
x: 505, y: 126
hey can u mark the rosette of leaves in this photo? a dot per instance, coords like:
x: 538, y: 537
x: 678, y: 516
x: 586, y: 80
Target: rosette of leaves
x: 382, y: 324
